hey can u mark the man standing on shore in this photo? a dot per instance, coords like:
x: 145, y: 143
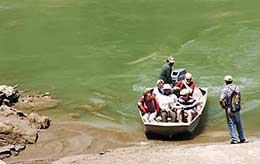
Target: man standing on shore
x: 230, y: 101
x: 166, y: 71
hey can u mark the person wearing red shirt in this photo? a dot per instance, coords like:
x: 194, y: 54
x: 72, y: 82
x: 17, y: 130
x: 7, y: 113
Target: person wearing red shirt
x: 149, y: 106
x: 187, y: 83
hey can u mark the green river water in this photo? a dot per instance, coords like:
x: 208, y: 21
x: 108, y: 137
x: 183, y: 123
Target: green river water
x: 102, y: 53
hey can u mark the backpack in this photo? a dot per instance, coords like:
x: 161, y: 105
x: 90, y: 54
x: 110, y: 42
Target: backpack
x: 236, y: 99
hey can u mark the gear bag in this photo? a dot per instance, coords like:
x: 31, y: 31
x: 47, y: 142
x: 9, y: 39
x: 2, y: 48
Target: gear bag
x: 236, y: 101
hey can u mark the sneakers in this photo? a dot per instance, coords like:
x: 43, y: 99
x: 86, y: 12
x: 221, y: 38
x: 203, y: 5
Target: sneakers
x: 243, y: 141
x: 234, y: 142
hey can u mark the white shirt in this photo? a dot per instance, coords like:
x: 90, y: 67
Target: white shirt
x: 156, y: 93
x: 165, y: 102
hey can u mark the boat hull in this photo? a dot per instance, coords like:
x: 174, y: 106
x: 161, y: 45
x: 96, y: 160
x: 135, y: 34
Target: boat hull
x: 174, y: 128
x: 168, y: 129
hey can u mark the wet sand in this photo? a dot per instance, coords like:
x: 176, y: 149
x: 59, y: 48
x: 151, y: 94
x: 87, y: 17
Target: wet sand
x: 63, y: 140
x: 71, y: 138
x: 167, y: 154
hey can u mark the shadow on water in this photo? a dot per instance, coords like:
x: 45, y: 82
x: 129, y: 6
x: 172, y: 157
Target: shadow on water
x: 183, y: 136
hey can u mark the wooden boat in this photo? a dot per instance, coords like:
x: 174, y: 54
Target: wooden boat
x: 174, y: 128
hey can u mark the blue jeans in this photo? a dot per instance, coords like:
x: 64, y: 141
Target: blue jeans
x: 233, y: 119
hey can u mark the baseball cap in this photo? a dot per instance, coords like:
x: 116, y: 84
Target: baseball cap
x: 228, y: 78
x: 171, y: 59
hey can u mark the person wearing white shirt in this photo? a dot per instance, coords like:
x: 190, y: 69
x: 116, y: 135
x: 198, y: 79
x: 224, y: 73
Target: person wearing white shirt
x: 158, y: 90
x: 167, y: 102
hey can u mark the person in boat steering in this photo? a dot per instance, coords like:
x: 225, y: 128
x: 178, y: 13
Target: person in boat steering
x: 166, y: 71
x: 187, y: 83
x: 148, y: 106
x: 167, y: 104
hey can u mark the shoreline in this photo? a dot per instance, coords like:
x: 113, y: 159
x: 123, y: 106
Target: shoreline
x: 71, y: 138
x: 222, y: 152
x: 66, y: 140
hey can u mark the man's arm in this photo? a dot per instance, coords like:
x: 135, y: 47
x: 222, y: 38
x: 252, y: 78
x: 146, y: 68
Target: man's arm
x: 222, y: 103
x: 190, y: 88
x: 177, y: 86
x: 141, y: 106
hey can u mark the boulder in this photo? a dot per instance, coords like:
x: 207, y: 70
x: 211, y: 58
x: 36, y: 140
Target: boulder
x: 15, y: 130
x: 41, y: 122
x: 8, y: 95
x: 16, y: 127
x: 36, y: 101
x: 7, y: 151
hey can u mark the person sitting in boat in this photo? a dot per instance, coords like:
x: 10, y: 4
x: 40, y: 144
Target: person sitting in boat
x: 187, y: 83
x: 167, y: 104
x: 148, y: 106
x: 189, y: 104
x: 158, y: 90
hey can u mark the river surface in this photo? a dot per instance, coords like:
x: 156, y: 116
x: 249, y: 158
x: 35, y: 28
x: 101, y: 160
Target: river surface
x: 97, y: 56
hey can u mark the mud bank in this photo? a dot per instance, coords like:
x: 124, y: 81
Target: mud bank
x: 17, y: 129
x: 78, y: 142
x: 224, y: 153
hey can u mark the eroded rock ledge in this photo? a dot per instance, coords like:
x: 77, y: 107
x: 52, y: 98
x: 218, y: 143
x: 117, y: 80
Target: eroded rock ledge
x: 16, y: 127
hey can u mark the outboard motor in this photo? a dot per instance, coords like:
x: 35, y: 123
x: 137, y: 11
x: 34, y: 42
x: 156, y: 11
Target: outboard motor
x: 178, y: 74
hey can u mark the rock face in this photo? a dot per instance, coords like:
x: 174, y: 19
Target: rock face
x: 36, y: 101
x: 9, y: 95
x: 16, y: 130
x: 7, y: 151
x: 16, y: 127
x: 41, y: 122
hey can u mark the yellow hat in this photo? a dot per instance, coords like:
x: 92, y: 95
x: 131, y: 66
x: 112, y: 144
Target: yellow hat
x: 228, y: 78
x: 167, y: 86
x: 171, y: 59
x: 159, y: 81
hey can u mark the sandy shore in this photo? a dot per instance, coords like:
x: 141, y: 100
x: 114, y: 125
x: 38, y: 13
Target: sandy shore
x: 78, y: 142
x: 216, y: 153
x: 72, y: 138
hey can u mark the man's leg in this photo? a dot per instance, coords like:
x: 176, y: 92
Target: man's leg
x: 173, y: 116
x: 164, y: 116
x: 145, y: 117
x: 179, y: 115
x: 230, y: 123
x: 189, y: 117
x: 152, y: 116
x: 239, y: 127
